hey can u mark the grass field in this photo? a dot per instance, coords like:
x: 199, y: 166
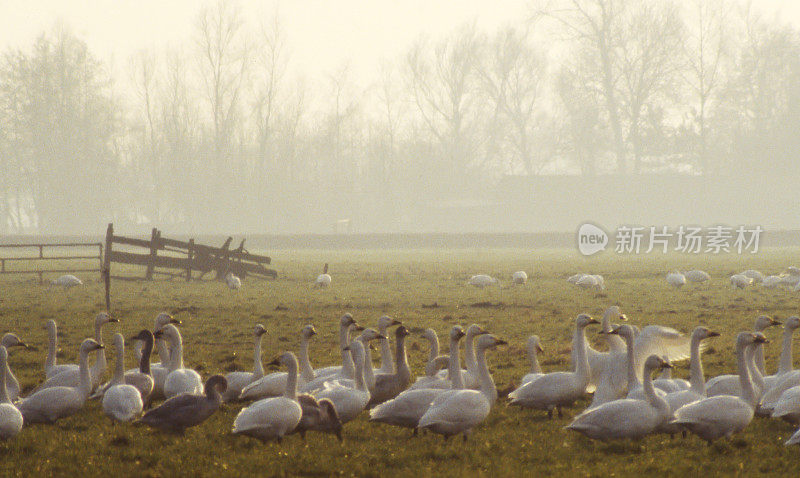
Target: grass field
x: 400, y: 283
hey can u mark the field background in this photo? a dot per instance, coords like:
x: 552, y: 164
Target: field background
x: 404, y: 284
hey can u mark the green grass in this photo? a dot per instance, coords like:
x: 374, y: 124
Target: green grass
x: 368, y: 284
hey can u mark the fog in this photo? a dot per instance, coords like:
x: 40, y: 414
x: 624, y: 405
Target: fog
x: 649, y: 112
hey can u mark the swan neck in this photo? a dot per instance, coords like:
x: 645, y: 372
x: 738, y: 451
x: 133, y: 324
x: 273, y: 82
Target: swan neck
x: 367, y: 372
x: 163, y: 351
x: 52, y: 348
x: 387, y: 365
x: 747, y: 392
x: 176, y: 352
x: 144, y: 360
x: 4, y: 398
x: 360, y: 370
x: 100, y: 363
x: 581, y: 359
x: 633, y: 380
x: 535, y: 367
x: 697, y: 379
x: 650, y: 392
x: 306, y: 370
x: 258, y: 367
x: 488, y: 388
x: 119, y: 365
x: 430, y: 366
x: 83, y: 368
x: 785, y: 364
x: 291, y: 380
x: 348, y: 367
x: 401, y: 359
x: 469, y: 354
x: 454, y: 367
x: 755, y: 374
x: 758, y: 360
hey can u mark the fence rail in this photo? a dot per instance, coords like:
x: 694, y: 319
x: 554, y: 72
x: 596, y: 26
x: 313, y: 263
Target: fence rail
x: 4, y: 261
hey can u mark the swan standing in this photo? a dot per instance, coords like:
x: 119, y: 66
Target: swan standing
x: 349, y: 401
x: 406, y: 409
x: 723, y: 415
x: 318, y: 415
x: 139, y: 378
x: 461, y: 410
x: 50, y: 366
x: 627, y: 418
x: 347, y: 367
x: 50, y: 404
x: 557, y: 389
x: 187, y: 410
x: 616, y: 347
x: 274, y: 384
x: 121, y: 402
x: 238, y: 380
x: 234, y: 283
x: 272, y: 418
x: 160, y: 370
x: 389, y: 385
x: 324, y: 279
x: 12, y: 385
x: 10, y: 417
x: 470, y: 374
x: 180, y: 379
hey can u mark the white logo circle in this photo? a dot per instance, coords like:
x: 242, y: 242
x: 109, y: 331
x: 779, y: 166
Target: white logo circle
x: 591, y: 239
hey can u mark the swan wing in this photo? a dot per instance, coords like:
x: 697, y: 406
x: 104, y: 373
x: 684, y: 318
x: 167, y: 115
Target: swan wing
x: 662, y: 341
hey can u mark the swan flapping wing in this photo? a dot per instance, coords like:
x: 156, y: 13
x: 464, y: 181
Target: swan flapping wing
x: 662, y: 341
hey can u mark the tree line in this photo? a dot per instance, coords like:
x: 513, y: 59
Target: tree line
x: 219, y: 135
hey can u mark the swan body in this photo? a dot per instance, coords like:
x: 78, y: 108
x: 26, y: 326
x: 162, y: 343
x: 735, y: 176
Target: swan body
x: 697, y: 276
x: 788, y: 406
x: 771, y: 282
x: 740, y: 281
x: 519, y: 278
x: 274, y: 384
x: 234, y: 283
x: 318, y: 415
x: 121, y: 402
x: 723, y: 415
x: 187, y: 410
x: 573, y: 279
x: 598, y: 360
x: 12, y: 385
x: 482, y: 280
x: 757, y: 276
x: 139, y: 378
x: 432, y: 381
x: 66, y: 281
x: 50, y: 404
x: 588, y: 281
x: 407, y: 408
x: 180, y: 379
x: 626, y: 418
x: 272, y: 418
x: 676, y: 279
x: 349, y: 401
x: 10, y: 417
x: 459, y: 411
x: 238, y: 380
x: 324, y: 279
x: 160, y: 370
x: 557, y: 389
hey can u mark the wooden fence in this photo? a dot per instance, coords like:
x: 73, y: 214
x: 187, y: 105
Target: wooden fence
x: 5, y: 261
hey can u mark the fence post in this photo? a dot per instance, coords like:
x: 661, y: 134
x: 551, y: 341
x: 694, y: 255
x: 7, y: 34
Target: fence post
x: 189, y: 253
x: 107, y: 264
x: 151, y: 264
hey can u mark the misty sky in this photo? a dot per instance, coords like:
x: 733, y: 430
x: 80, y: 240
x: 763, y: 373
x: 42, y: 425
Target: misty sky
x: 323, y: 35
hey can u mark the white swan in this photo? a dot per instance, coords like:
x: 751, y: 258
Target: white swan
x: 12, y: 385
x: 50, y: 404
x: 757, y: 276
x: 234, y: 283
x: 482, y: 280
x: 389, y: 385
x: 387, y: 359
x: 441, y: 362
x: 274, y: 384
x: 676, y: 279
x: 345, y: 372
x: 626, y: 418
x: 723, y: 415
x: 349, y: 401
x: 697, y: 390
x: 139, y: 378
x: 238, y: 380
x: 50, y: 366
x: 785, y: 361
x: 573, y: 279
x: 469, y: 375
x: 406, y: 409
x: 598, y: 360
x: 519, y: 278
x: 272, y: 418
x: 65, y: 281
x: 160, y: 370
x: 100, y: 365
x: 180, y: 379
x: 771, y: 282
x: 740, y: 281
x: 347, y: 368
x: 324, y: 279
x: 533, y: 346
x: 10, y: 417
x: 121, y: 402
x: 697, y: 275
x: 588, y: 281
x: 788, y: 406
x: 557, y: 389
x: 186, y: 410
x: 459, y: 411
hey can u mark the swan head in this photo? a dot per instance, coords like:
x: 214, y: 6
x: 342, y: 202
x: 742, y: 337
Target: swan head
x: 50, y: 326
x: 744, y: 339
x: 613, y: 313
x: 259, y: 330
x: 217, y: 383
x: 440, y: 362
x: 90, y: 345
x: 386, y: 321
x: 792, y: 322
x: 654, y: 362
x: 103, y: 318
x: 308, y: 331
x: 702, y: 333
x: 163, y: 319
x: 169, y: 332
x: 456, y: 333
x: 347, y: 320
x: 355, y: 328
x: 584, y: 320
x: 489, y: 341
x: 623, y: 330
x: 759, y: 338
x: 534, y: 344
x: 763, y: 322
x: 474, y: 330
x: 285, y: 359
x: 371, y: 334
x: 144, y: 335
x: 401, y: 332
x: 11, y: 340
